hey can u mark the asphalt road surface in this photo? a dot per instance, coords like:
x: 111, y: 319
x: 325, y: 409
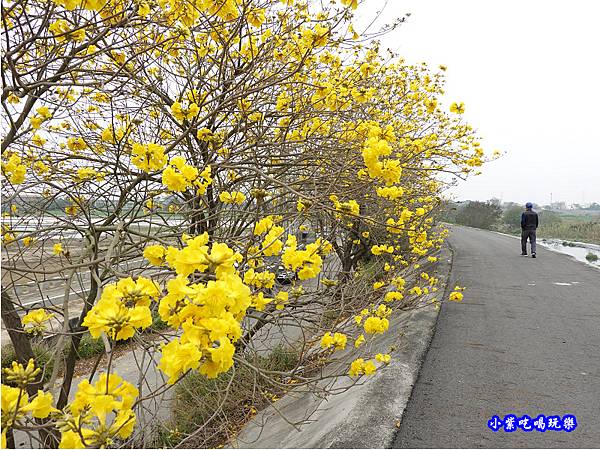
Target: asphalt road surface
x: 525, y: 340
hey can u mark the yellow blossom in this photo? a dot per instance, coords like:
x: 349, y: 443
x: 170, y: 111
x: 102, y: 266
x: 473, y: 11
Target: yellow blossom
x: 456, y: 296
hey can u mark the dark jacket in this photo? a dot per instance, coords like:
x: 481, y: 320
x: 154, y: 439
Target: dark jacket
x: 529, y: 220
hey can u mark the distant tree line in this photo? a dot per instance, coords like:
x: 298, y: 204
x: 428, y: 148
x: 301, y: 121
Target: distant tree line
x: 506, y: 218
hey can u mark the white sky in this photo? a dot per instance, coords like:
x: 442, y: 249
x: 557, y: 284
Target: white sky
x: 529, y: 74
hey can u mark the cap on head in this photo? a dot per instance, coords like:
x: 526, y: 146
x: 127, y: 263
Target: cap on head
x: 528, y: 205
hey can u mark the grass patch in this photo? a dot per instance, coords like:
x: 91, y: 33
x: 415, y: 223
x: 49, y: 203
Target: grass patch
x: 216, y: 409
x: 89, y: 347
x: 573, y: 230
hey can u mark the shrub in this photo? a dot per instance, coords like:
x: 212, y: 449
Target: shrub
x: 591, y: 257
x: 89, y: 347
x: 220, y: 406
x: 479, y: 214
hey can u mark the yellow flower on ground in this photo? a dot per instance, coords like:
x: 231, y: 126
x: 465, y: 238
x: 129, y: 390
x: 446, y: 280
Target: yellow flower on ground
x: 384, y: 358
x: 456, y: 296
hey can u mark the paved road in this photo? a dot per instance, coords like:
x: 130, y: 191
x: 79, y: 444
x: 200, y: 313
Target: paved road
x: 525, y: 340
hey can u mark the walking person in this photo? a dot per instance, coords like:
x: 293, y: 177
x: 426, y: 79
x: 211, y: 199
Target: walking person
x: 529, y: 224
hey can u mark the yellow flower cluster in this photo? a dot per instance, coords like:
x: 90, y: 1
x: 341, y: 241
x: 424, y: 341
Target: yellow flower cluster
x: 109, y: 134
x: 149, y: 157
x: 457, y: 108
x: 384, y: 358
x: 378, y: 285
x: 380, y: 249
x: 456, y: 296
x: 58, y: 249
x: 306, y: 262
x: 93, y: 5
x: 351, y: 207
x: 392, y: 296
x: 180, y: 176
x: 99, y: 413
x: 360, y: 367
x: 86, y: 173
x: 13, y: 169
x: 155, y: 254
x: 387, y: 170
x: 61, y: 31
x: 84, y: 422
x: 264, y: 279
x: 360, y: 340
x: 35, y: 321
x: 282, y: 298
x: 338, y: 340
x: 376, y: 325
x: 123, y: 307
x: 181, y: 113
x: 263, y: 225
x: 209, y: 314
x: 232, y: 197
x: 391, y: 193
x: 76, y: 144
x: 259, y: 301
x: 15, y: 402
x: 271, y: 244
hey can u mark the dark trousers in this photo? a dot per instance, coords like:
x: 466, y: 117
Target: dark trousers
x: 527, y: 234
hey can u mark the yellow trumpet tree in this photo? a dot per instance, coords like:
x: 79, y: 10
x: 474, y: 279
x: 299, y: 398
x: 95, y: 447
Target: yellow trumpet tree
x: 176, y: 159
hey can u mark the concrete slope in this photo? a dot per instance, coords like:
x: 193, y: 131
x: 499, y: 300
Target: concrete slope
x: 525, y: 340
x: 367, y: 414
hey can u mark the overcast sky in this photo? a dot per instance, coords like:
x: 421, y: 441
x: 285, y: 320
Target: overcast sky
x: 529, y: 74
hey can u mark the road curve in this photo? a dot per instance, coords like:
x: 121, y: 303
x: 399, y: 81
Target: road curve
x: 525, y: 340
